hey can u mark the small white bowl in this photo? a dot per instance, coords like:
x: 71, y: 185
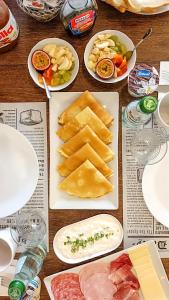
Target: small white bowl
x: 122, y: 38
x: 76, y: 228
x: 34, y: 74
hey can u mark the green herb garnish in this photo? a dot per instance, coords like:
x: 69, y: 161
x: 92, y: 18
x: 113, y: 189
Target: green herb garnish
x: 78, y: 243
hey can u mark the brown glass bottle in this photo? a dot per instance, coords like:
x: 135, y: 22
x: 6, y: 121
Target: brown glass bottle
x: 79, y: 16
x: 9, y: 29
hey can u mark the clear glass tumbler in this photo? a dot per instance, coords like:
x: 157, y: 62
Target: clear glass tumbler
x: 149, y: 145
x: 30, y: 229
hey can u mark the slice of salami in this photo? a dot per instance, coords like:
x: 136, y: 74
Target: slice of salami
x: 66, y: 287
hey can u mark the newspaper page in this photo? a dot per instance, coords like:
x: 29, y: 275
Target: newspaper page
x: 30, y: 119
x: 139, y: 224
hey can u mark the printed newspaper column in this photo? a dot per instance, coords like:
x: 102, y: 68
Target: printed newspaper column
x: 30, y: 119
x: 139, y: 224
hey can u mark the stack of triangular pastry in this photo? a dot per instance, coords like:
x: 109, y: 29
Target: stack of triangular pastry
x: 86, y: 135
x: 137, y: 6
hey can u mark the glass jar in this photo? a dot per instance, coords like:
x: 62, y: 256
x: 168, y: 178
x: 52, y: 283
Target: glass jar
x: 79, y: 16
x: 41, y: 10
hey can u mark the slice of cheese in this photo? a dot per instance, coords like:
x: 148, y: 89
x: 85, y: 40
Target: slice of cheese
x: 84, y: 153
x: 146, y: 273
x: 85, y: 117
x: 86, y: 135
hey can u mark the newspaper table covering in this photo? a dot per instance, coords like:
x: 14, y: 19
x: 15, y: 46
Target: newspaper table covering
x: 30, y: 119
x: 139, y: 224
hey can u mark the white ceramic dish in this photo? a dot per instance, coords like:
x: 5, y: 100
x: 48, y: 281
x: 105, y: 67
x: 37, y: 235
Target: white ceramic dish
x: 19, y: 170
x: 163, y: 110
x: 34, y: 74
x: 155, y: 189
x: 59, y: 199
x: 155, y: 258
x: 159, y: 10
x: 125, y: 40
x: 78, y: 227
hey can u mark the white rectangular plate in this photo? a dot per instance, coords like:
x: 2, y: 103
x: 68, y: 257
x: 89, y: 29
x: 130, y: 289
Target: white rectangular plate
x: 59, y: 199
x: 155, y: 258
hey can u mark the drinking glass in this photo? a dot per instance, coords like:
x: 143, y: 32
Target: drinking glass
x: 149, y: 145
x: 30, y: 229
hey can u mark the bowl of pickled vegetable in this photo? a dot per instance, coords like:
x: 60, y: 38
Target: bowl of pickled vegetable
x: 55, y: 60
x: 105, y: 56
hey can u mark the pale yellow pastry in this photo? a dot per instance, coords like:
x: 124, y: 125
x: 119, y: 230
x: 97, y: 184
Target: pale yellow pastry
x: 146, y: 6
x: 86, y: 99
x: 86, y: 182
x: 86, y: 135
x: 118, y: 4
x: 76, y: 159
x: 85, y: 117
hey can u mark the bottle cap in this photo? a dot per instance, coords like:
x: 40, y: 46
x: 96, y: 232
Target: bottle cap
x: 148, y: 104
x: 16, y: 289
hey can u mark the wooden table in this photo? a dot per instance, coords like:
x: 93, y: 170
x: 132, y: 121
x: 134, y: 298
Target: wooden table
x: 16, y: 85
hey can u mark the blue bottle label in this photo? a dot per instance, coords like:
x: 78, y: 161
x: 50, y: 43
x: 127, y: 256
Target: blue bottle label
x: 144, y: 73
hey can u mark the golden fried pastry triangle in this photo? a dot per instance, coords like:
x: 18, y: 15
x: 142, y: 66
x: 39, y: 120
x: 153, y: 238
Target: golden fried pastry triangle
x: 86, y: 152
x: 86, y: 135
x: 85, y: 117
x: 85, y: 99
x: 86, y: 182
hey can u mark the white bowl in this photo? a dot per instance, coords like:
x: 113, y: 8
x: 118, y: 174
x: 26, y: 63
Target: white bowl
x: 122, y: 38
x: 59, y: 42
x: 19, y: 170
x: 163, y: 110
x: 93, y: 223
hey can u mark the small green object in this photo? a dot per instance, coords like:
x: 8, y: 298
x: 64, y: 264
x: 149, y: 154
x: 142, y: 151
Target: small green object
x: 148, y: 104
x: 114, y: 38
x: 16, y: 289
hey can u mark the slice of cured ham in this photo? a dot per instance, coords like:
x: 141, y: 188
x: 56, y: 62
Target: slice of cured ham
x: 98, y: 287
x: 66, y: 287
x: 122, y: 260
x: 120, y: 272
x: 126, y: 292
x: 91, y: 269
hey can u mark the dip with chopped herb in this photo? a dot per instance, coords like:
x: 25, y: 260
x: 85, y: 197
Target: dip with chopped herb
x: 88, y: 237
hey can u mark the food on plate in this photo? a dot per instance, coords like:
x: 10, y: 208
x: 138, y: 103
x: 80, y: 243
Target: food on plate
x: 149, y: 281
x: 107, y: 58
x: 109, y: 281
x: 137, y: 6
x: 97, y: 283
x: 87, y: 238
x: 84, y: 100
x: 86, y: 182
x: 66, y: 286
x: 85, y: 117
x: 86, y: 135
x: 55, y: 62
x: 143, y: 80
x: 41, y: 60
x: 105, y: 68
x: 86, y: 152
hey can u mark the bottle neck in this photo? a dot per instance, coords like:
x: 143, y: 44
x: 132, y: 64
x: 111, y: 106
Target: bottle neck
x: 78, y: 4
x: 16, y: 289
x: 148, y: 104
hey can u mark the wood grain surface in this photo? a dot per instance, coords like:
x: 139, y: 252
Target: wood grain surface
x: 16, y: 85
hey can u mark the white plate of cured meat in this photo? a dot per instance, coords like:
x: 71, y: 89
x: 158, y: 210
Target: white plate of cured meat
x: 134, y: 274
